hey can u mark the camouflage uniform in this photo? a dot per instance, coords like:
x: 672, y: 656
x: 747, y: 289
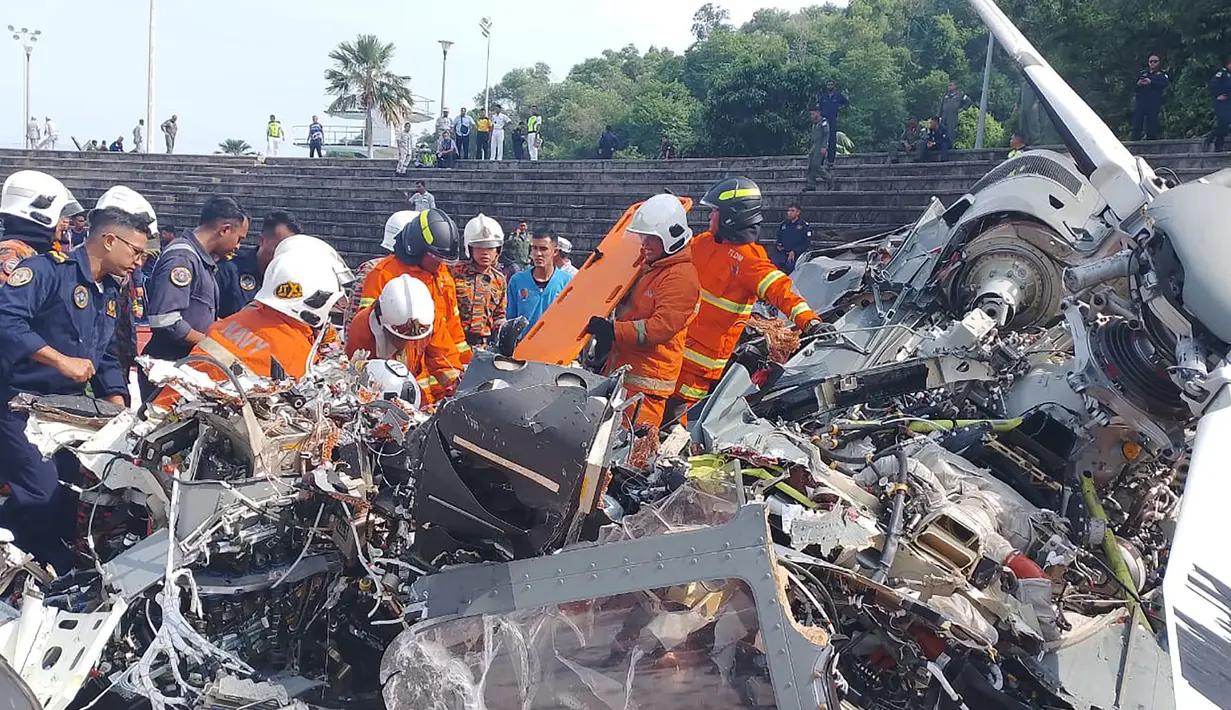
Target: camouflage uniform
x: 352, y: 300
x: 481, y: 300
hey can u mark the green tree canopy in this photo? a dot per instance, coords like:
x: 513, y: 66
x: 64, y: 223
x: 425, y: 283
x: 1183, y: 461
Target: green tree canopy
x: 361, y: 80
x: 234, y: 146
x: 748, y: 90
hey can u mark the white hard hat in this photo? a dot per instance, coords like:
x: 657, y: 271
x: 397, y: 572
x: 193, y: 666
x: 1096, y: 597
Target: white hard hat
x: 128, y: 200
x: 320, y: 249
x: 394, y: 225
x: 566, y: 247
x: 301, y: 284
x: 391, y: 378
x: 405, y: 308
x: 37, y: 197
x: 483, y: 231
x: 664, y: 217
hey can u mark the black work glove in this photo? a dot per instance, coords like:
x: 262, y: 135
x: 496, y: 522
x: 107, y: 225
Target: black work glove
x: 602, y: 329
x: 817, y: 329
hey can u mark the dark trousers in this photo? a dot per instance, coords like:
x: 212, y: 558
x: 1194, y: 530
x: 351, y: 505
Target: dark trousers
x: 463, y: 147
x: 1145, y: 123
x: 314, y: 150
x: 833, y: 140
x: 41, y: 513
x: 939, y: 152
x: 605, y: 154
x: 483, y: 148
x: 1222, y: 124
x: 447, y: 160
x: 519, y: 150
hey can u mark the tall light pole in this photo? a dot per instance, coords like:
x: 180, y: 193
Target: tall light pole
x: 27, y: 37
x: 485, y: 25
x: 444, y: 46
x: 149, y: 87
x: 987, y: 82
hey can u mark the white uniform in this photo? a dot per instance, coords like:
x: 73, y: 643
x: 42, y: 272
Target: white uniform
x: 50, y: 135
x: 444, y: 123
x: 403, y: 143
x: 138, y: 139
x: 33, y: 134
x: 499, y: 121
x: 273, y: 142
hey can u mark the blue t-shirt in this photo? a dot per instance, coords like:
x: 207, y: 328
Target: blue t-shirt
x: 316, y: 133
x: 527, y: 299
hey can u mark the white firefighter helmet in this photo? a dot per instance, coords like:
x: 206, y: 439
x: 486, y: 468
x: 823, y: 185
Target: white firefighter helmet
x: 320, y: 249
x: 37, y: 198
x: 405, y: 308
x: 129, y: 200
x: 302, y: 284
x: 483, y: 231
x: 391, y: 378
x: 664, y: 217
x: 394, y: 225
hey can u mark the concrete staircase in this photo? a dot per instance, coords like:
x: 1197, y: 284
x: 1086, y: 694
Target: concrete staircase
x: 347, y: 201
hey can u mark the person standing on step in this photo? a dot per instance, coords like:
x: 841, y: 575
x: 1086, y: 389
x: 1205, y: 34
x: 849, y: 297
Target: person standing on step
x: 1220, y: 95
x: 462, y: 128
x: 649, y: 327
x: 830, y: 103
x: 273, y: 137
x: 952, y: 104
x: 170, y: 128
x: 483, y: 133
x: 534, y: 133
x: 443, y: 124
x: 420, y: 200
x: 481, y: 288
x: 564, y: 257
x: 404, y: 151
x: 139, y: 136
x: 241, y: 274
x: 608, y: 143
x: 34, y: 134
x: 499, y: 121
x: 183, y: 290
x: 515, y: 256
x: 794, y: 238
x: 519, y: 142
x: 50, y: 135
x: 533, y: 291
x: 316, y: 138
x: 735, y: 272
x: 819, y: 158
x: 1151, y: 85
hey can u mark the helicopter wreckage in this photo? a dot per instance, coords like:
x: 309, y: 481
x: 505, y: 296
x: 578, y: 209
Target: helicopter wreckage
x: 991, y: 486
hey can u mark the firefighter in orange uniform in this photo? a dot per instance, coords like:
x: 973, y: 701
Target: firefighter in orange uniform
x: 400, y: 325
x: 423, y: 249
x: 735, y: 271
x: 277, y: 334
x: 651, y: 321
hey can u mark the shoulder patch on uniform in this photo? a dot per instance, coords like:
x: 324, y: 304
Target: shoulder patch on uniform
x: 247, y: 282
x: 21, y: 276
x: 289, y: 289
x: 111, y: 308
x: 81, y: 297
x: 58, y: 256
x: 181, y: 276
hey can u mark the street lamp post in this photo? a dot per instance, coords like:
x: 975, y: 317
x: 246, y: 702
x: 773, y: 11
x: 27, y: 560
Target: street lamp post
x: 987, y: 83
x: 486, y: 26
x: 27, y: 37
x: 149, y: 88
x: 444, y: 46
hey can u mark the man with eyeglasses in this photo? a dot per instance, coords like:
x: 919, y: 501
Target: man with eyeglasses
x: 58, y: 315
x: 1151, y: 85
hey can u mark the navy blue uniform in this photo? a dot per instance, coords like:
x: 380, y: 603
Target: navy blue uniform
x: 239, y: 278
x: 1149, y: 102
x: 50, y: 300
x: 792, y: 237
x: 828, y: 105
x: 181, y: 295
x: 1220, y: 85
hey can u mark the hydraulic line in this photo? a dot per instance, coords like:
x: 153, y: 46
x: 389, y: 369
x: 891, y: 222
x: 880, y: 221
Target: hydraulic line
x: 894, y: 534
x: 1112, y: 550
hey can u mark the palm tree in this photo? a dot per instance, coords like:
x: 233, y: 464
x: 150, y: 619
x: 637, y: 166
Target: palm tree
x: 361, y: 80
x: 234, y: 146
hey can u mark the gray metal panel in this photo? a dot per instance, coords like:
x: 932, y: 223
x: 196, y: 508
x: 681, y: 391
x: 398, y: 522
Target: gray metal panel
x: 737, y: 550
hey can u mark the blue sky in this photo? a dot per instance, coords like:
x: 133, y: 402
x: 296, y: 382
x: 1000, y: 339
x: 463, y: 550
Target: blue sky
x: 224, y: 65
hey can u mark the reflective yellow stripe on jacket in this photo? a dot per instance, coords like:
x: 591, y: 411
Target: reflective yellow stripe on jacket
x: 703, y: 360
x: 726, y: 304
x: 770, y: 279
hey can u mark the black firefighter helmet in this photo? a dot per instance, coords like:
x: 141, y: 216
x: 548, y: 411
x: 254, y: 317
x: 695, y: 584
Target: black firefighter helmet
x: 432, y: 232
x: 738, y: 201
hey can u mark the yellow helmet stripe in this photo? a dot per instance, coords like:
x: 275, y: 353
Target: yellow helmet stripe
x: 425, y: 228
x: 740, y: 192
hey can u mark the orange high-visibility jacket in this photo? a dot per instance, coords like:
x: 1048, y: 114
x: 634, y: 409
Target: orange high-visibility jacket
x: 429, y: 360
x: 253, y: 338
x: 651, y: 322
x: 733, y: 277
x: 444, y: 294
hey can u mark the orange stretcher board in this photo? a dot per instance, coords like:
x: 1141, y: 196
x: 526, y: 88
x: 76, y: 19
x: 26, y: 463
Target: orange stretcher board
x: 560, y: 334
